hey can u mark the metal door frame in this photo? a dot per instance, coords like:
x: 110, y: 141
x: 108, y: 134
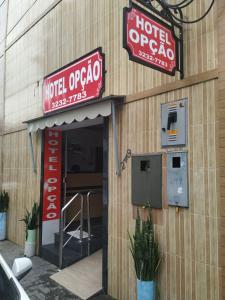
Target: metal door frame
x: 105, y: 199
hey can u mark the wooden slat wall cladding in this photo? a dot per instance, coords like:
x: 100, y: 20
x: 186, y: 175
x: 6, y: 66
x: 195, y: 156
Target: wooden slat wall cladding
x: 221, y: 141
x: 19, y: 180
x: 21, y: 14
x: 1, y: 162
x: 1, y: 95
x: 189, y: 238
x: 3, y: 22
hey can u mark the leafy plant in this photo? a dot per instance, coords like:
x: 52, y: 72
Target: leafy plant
x: 4, y: 201
x: 145, y: 249
x: 31, y: 218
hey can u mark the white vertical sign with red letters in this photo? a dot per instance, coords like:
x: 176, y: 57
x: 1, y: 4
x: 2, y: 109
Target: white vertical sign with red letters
x: 52, y: 184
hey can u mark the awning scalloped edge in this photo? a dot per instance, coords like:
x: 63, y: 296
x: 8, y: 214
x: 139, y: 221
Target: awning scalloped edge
x: 87, y: 112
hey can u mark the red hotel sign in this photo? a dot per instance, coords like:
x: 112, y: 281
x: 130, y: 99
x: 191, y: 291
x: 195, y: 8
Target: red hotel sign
x: 149, y: 40
x: 80, y: 81
x: 52, y: 175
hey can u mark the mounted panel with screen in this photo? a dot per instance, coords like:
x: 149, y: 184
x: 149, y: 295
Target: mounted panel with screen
x: 177, y: 179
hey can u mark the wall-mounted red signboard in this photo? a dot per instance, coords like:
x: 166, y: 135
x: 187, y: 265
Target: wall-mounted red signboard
x: 77, y: 82
x: 150, y: 41
x: 52, y: 175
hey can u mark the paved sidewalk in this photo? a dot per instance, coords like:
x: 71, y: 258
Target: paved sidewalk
x: 37, y: 283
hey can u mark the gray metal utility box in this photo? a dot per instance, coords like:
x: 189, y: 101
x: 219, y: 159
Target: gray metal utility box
x: 147, y: 180
x: 174, y: 123
x: 177, y: 179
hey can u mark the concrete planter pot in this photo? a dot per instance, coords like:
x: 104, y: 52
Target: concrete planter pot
x: 3, y: 225
x: 30, y: 243
x: 146, y: 290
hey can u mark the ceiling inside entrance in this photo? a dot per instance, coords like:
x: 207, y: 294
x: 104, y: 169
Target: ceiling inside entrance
x: 84, y: 149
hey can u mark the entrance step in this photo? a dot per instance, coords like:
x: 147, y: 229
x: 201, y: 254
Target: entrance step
x: 96, y: 227
x: 84, y: 279
x: 72, y: 252
x: 86, y: 247
x: 51, y: 254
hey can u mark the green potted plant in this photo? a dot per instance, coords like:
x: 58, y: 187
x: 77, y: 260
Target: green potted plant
x: 146, y: 255
x: 4, y: 205
x: 31, y: 219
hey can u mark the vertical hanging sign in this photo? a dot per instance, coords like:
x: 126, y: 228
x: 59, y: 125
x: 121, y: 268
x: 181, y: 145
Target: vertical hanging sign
x: 151, y: 41
x: 52, y: 175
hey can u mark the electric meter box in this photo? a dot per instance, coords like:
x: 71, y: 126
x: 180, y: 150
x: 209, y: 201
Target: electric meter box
x: 174, y: 123
x: 177, y: 179
x: 147, y: 180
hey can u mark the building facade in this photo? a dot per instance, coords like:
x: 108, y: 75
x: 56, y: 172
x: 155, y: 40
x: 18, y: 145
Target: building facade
x: 39, y: 37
